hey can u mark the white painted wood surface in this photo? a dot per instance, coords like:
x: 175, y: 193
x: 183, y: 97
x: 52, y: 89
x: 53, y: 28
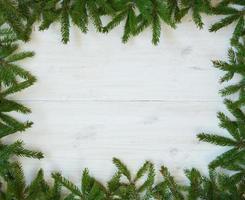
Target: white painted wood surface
x: 97, y: 98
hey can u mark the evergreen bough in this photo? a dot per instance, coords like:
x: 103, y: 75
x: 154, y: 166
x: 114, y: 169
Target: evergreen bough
x: 226, y: 179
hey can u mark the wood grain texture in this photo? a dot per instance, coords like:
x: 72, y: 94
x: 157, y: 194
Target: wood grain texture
x: 97, y: 98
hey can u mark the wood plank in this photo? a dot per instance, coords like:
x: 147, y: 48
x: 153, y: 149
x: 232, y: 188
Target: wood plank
x: 97, y: 98
x: 74, y: 134
x: 100, y: 67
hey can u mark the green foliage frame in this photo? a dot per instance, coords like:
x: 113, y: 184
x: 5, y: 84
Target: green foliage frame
x: 226, y: 178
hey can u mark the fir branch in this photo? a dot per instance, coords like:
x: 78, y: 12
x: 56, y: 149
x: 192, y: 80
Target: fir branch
x: 234, y: 14
x: 38, y: 187
x: 9, y: 125
x: 79, y: 15
x: 10, y: 106
x: 9, y: 150
x: 21, y: 151
x: 176, y: 11
x: 230, y: 156
x: 231, y: 89
x: 236, y: 111
x: 113, y: 184
x: 195, y: 188
x: 11, y: 15
x: 15, y: 181
x: 94, y: 14
x: 122, y: 168
x: 142, y: 171
x: 138, y: 15
x: 18, y: 87
x: 197, y: 7
x: 224, y: 22
x: 48, y: 14
x: 18, y: 150
x: 65, y: 21
x: 67, y: 184
x: 148, y: 184
x: 90, y: 188
x: 19, y: 56
x: 171, y: 184
x: 216, y: 139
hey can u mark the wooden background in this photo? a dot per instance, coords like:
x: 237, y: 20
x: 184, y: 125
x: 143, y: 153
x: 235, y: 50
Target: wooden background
x: 97, y: 98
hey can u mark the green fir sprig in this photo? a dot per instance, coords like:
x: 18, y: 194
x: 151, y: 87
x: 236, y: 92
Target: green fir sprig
x: 13, y: 78
x: 136, y: 15
x: 226, y: 179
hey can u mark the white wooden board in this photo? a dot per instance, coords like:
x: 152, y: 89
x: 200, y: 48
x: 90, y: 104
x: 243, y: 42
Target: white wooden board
x: 97, y: 98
